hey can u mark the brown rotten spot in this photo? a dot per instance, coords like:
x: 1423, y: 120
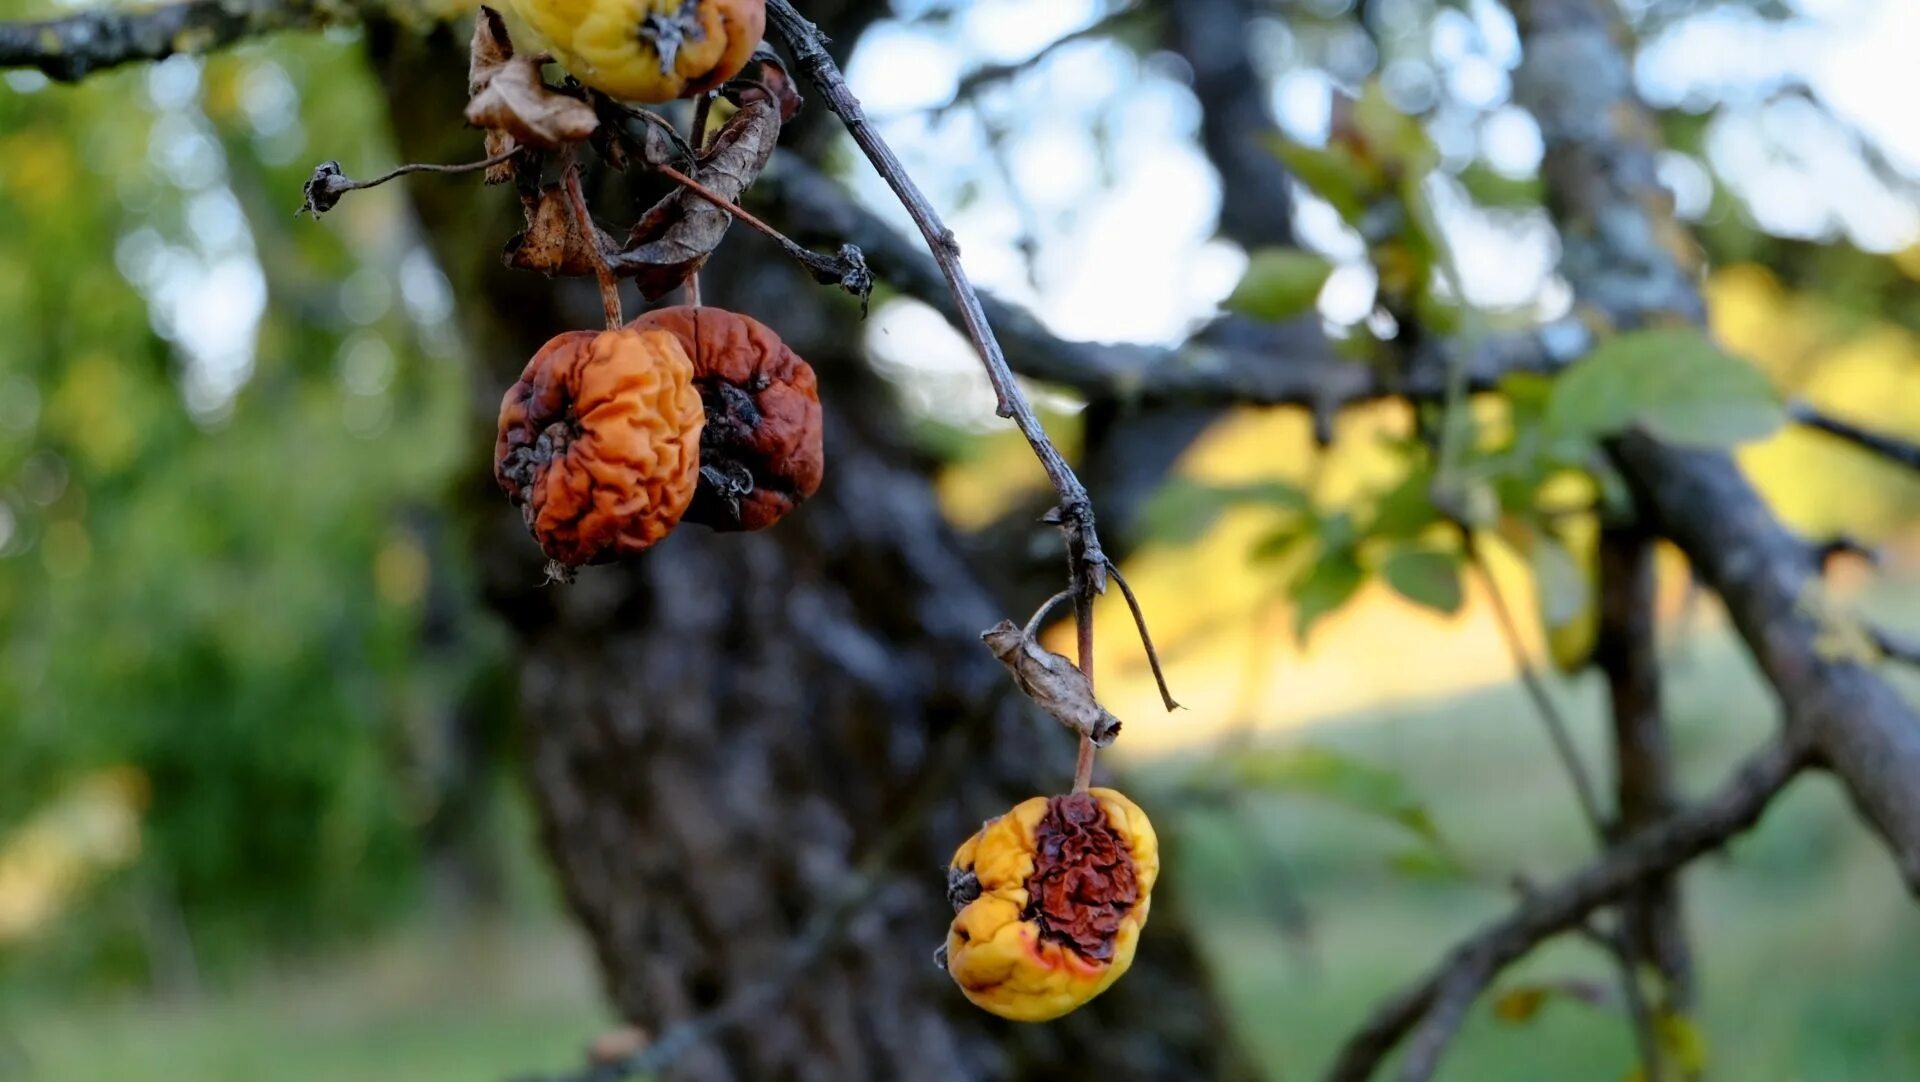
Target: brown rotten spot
x: 761, y: 452
x: 599, y: 443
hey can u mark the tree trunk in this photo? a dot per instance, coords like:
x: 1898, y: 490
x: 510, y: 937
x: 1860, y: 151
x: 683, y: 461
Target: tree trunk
x: 723, y: 734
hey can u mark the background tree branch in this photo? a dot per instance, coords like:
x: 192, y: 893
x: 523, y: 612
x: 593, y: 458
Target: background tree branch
x: 1439, y: 999
x: 74, y: 46
x: 1618, y: 254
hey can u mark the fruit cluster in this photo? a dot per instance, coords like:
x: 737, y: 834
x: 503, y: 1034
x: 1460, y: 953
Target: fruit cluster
x: 610, y: 439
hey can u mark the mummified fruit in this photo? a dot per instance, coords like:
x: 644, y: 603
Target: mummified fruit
x: 1050, y: 899
x: 649, y: 50
x: 599, y: 443
x: 761, y: 453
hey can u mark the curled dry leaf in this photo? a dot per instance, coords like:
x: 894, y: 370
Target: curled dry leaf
x: 552, y: 243
x: 1051, y: 681
x: 324, y: 189
x: 506, y: 94
x: 766, y: 76
x: 677, y: 234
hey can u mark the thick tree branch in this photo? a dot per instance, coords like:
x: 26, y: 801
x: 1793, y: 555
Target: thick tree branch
x: 1619, y: 254
x: 1231, y: 362
x: 1438, y: 1001
x: 70, y: 48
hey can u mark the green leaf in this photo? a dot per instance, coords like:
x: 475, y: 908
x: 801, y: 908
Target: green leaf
x: 1430, y: 862
x: 1673, y: 382
x: 1182, y: 511
x: 1426, y: 577
x: 1280, y: 283
x: 1325, y: 586
x: 1393, y: 137
x: 1332, y: 173
x: 1338, y: 778
x: 1491, y: 188
x: 1406, y: 510
x: 1277, y: 545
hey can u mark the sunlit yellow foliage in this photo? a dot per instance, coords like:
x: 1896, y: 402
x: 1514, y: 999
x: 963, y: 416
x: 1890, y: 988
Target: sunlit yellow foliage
x: 92, y: 828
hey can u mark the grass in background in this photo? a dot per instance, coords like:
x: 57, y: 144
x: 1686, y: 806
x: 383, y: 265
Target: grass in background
x: 473, y: 1004
x: 1806, y: 943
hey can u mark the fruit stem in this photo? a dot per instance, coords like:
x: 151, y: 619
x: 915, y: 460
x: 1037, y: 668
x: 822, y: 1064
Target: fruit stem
x: 1083, y: 627
x: 701, y: 107
x: 590, y: 235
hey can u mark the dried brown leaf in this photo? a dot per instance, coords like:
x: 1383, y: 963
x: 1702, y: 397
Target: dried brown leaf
x: 766, y: 75
x: 490, y: 51
x: 506, y: 94
x: 552, y: 243
x: 498, y: 143
x: 1052, y: 682
x: 677, y: 234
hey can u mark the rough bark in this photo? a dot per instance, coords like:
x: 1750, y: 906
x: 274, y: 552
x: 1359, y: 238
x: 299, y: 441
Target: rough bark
x: 723, y: 733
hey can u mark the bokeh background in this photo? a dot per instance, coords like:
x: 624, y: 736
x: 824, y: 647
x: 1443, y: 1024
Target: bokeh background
x: 259, y: 809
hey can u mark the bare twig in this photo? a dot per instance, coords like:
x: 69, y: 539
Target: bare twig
x: 846, y: 269
x: 810, y: 55
x: 1898, y: 451
x: 1445, y: 991
x: 970, y: 84
x: 70, y: 48
x: 327, y: 184
x: 1040, y: 614
x: 1895, y: 647
x: 1550, y: 716
x: 1146, y: 638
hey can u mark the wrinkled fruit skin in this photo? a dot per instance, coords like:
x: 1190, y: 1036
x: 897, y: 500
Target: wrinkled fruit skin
x: 649, y: 50
x: 1063, y: 889
x: 599, y: 443
x: 761, y: 454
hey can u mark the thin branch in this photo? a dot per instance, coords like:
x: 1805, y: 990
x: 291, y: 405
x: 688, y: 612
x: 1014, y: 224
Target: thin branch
x: 1146, y: 638
x: 1894, y: 646
x: 847, y: 269
x: 1040, y: 614
x: 1898, y: 451
x: 73, y: 47
x: 1550, y: 716
x: 810, y: 55
x: 970, y: 84
x: 327, y: 184
x: 1445, y: 992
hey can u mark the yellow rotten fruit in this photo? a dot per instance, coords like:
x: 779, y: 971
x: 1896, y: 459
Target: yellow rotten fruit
x: 648, y: 50
x: 1050, y: 899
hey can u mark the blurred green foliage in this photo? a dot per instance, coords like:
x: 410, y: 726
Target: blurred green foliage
x: 224, y: 440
